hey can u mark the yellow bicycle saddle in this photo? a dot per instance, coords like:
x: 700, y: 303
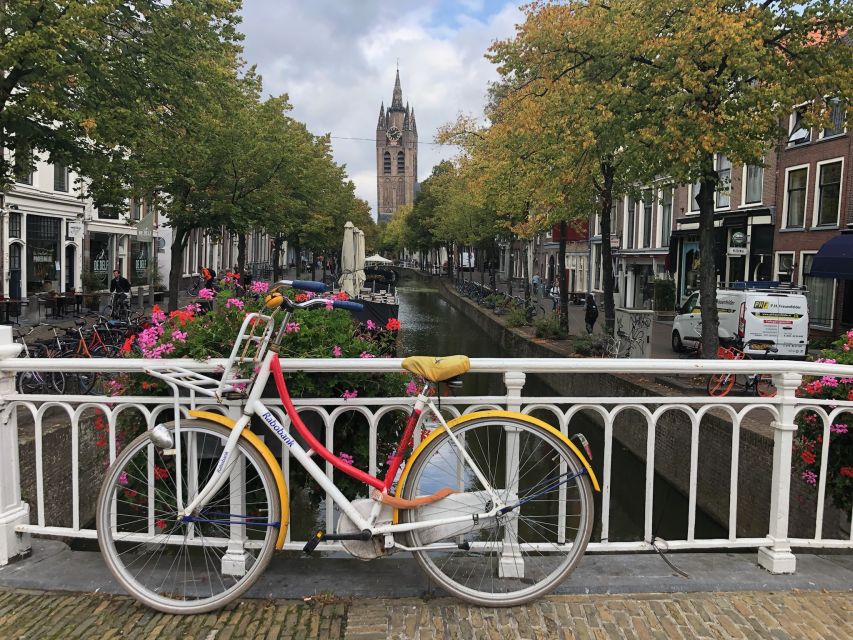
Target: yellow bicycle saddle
x: 437, y: 369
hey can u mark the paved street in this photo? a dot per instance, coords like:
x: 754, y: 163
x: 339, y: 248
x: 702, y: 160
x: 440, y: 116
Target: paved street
x: 35, y: 615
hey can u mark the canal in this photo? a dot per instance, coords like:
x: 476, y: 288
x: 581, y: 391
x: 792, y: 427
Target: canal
x: 431, y: 326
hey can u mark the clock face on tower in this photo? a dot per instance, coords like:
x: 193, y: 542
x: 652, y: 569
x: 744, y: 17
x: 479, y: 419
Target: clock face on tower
x: 393, y: 134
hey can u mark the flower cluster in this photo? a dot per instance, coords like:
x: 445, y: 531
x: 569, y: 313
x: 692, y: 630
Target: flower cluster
x: 814, y: 435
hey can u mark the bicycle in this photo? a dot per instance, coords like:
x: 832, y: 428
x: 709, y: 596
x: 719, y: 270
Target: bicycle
x: 37, y: 381
x: 759, y: 384
x: 496, y: 506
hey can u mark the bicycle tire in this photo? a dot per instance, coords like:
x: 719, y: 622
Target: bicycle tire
x: 535, y: 530
x: 132, y: 547
x: 764, y: 386
x: 719, y: 384
x: 79, y: 382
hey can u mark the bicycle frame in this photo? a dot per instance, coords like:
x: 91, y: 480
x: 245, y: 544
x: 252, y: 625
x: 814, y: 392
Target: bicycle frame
x: 254, y: 406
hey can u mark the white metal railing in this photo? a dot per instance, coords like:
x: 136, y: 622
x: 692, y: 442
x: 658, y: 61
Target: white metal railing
x: 18, y: 519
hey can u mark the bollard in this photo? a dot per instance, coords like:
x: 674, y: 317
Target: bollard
x: 140, y: 297
x: 13, y: 511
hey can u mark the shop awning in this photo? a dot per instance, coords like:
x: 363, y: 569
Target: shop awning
x: 834, y: 259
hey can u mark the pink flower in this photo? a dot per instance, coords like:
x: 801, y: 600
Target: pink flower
x: 122, y: 478
x: 206, y: 294
x: 259, y: 287
x: 829, y: 381
x: 330, y: 304
x: 291, y: 327
x: 336, y: 351
x: 826, y: 360
x: 348, y: 395
x: 411, y: 388
x: 193, y: 307
x: 366, y: 354
x: 809, y: 477
x: 179, y: 336
x: 158, y: 315
x: 838, y: 428
x: 346, y: 457
x: 234, y: 302
x: 371, y: 325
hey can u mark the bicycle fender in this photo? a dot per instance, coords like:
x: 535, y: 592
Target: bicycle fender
x: 274, y: 466
x: 493, y: 414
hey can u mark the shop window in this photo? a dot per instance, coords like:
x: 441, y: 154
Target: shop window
x: 795, y: 198
x: 754, y: 182
x: 14, y: 225
x: 42, y: 253
x: 828, y: 192
x: 820, y: 293
x: 784, y: 267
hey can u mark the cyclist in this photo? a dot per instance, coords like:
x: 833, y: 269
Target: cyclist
x: 120, y: 288
x: 208, y: 276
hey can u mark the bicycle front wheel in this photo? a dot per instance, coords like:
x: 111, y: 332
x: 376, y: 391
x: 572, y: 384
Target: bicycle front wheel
x: 719, y: 384
x: 507, y: 559
x: 192, y: 565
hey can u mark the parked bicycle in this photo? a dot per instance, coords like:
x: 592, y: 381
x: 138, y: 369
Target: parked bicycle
x: 36, y: 381
x: 496, y: 506
x: 195, y: 285
x: 759, y: 384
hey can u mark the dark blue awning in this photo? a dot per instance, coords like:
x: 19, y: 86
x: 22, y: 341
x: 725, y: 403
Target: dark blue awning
x: 834, y: 259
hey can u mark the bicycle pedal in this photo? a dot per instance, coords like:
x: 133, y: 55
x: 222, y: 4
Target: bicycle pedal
x: 316, y: 539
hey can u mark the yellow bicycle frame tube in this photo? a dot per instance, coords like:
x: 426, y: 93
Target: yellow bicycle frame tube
x: 493, y: 414
x: 272, y: 463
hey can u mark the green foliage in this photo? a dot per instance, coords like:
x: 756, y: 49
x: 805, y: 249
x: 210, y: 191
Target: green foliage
x: 594, y: 346
x: 810, y: 443
x: 664, y: 292
x: 516, y: 317
x: 93, y: 282
x: 548, y: 327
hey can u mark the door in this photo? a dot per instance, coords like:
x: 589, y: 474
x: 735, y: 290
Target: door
x: 15, y: 271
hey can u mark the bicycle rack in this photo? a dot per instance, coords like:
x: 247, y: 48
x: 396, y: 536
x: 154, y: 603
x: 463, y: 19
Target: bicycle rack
x: 248, y: 352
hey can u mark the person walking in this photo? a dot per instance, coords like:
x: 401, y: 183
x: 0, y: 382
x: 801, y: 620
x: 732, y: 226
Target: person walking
x: 536, y: 282
x: 591, y: 313
x: 555, y: 295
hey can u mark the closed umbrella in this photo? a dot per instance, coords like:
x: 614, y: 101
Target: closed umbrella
x: 360, y: 277
x: 347, y: 279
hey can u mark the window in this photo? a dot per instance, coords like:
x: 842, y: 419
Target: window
x: 108, y: 213
x: 820, y: 295
x: 386, y: 168
x: 795, y: 198
x: 596, y: 225
x: 836, y: 119
x: 136, y: 210
x: 784, y: 267
x: 14, y: 225
x: 60, y: 177
x: 630, y: 213
x: 694, y: 193
x: 800, y: 133
x: 23, y: 167
x: 401, y: 163
x: 724, y: 181
x: 753, y: 183
x: 647, y: 218
x: 665, y: 216
x: 596, y: 266
x: 828, y: 192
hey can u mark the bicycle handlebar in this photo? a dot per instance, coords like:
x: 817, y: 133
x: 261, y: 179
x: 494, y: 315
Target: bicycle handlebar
x: 305, y: 285
x: 347, y: 304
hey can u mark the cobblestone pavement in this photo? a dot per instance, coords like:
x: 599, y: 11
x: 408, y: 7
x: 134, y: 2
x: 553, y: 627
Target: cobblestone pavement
x: 35, y: 615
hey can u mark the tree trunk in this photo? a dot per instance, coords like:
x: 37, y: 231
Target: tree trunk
x: 525, y: 272
x: 607, y: 173
x: 451, y: 256
x: 241, y: 253
x: 179, y: 240
x: 509, y: 264
x: 561, y: 278
x: 707, y: 264
x: 276, y: 258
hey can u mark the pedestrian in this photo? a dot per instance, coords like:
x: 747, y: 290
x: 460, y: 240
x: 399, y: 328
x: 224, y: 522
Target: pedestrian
x: 591, y: 313
x: 536, y: 281
x: 555, y: 295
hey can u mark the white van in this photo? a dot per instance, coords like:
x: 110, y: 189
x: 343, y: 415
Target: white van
x: 760, y: 321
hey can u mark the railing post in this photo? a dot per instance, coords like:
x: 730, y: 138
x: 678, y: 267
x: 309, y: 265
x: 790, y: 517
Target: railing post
x: 778, y: 558
x: 235, y: 561
x: 512, y: 563
x: 13, y: 511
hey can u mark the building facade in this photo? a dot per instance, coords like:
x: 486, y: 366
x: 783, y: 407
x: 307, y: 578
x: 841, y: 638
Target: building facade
x: 396, y: 155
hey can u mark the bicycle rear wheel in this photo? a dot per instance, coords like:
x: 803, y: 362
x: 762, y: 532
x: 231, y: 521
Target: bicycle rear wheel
x: 515, y: 557
x: 764, y: 386
x: 719, y: 384
x: 178, y: 566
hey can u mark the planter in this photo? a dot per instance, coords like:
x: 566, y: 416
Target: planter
x: 92, y: 301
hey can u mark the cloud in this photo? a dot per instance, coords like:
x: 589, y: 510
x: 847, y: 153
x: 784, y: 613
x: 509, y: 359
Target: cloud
x: 336, y: 60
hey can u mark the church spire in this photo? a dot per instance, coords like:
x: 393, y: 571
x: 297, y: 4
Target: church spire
x: 397, y: 99
x: 381, y: 124
x: 414, y: 124
x: 406, y: 119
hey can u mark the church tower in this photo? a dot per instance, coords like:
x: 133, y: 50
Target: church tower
x: 396, y: 155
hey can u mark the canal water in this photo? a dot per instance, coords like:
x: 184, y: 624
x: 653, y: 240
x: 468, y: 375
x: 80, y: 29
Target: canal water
x: 431, y: 326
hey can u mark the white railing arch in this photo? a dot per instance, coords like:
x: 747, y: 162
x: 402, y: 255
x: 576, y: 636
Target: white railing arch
x: 643, y: 413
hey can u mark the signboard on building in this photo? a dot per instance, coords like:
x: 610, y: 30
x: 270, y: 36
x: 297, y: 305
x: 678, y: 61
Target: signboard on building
x: 145, y: 229
x: 75, y: 228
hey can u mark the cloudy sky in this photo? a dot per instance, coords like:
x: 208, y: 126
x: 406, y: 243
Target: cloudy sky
x: 336, y: 59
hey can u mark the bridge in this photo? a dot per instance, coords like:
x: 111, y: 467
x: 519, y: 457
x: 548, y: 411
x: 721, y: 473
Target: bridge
x: 754, y: 491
